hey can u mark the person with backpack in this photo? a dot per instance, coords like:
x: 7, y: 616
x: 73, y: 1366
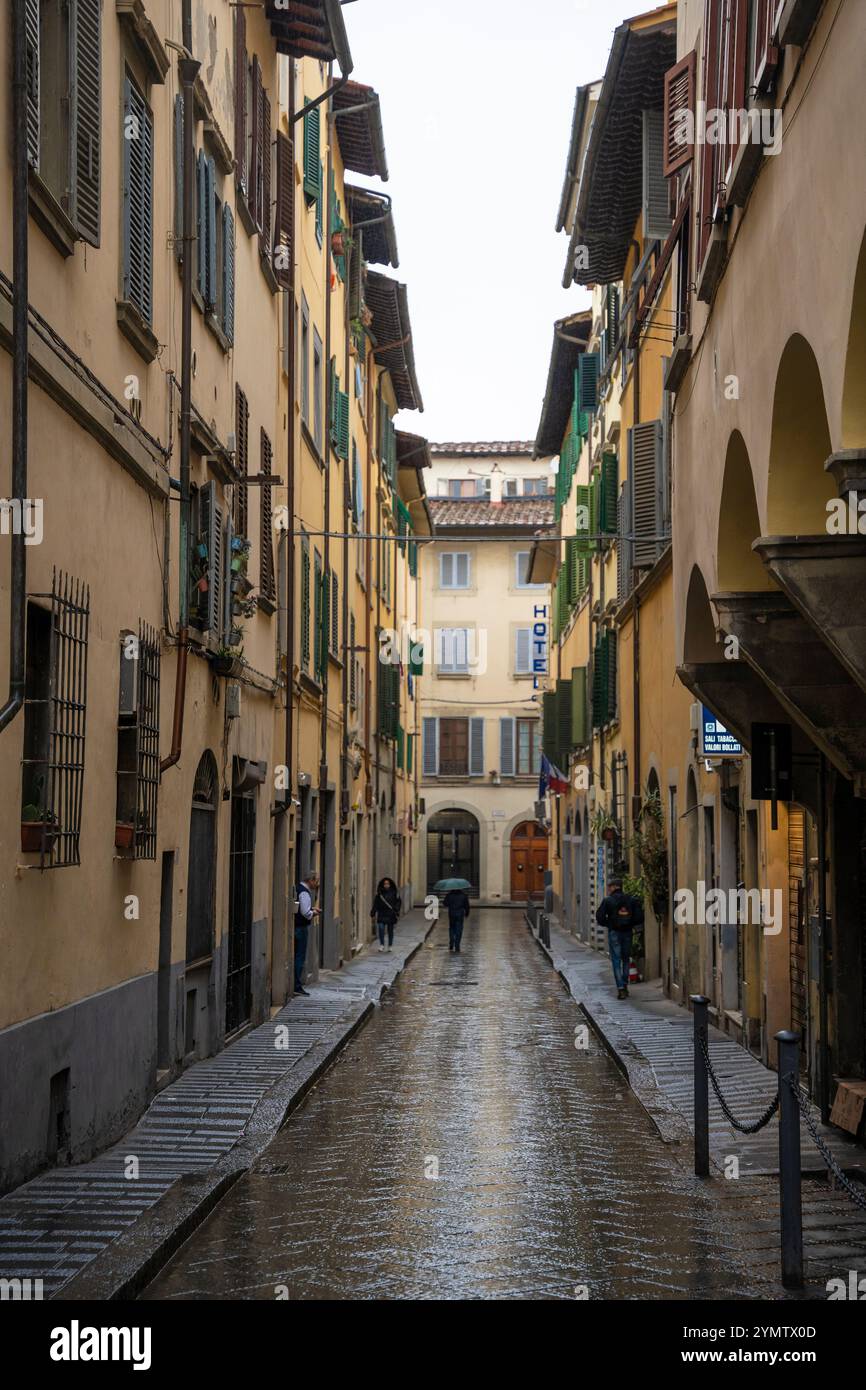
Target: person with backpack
x: 621, y: 913
x: 385, y: 911
x: 304, y: 916
x: 457, y: 904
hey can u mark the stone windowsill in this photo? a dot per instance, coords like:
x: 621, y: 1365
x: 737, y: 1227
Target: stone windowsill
x: 135, y: 327
x: 49, y: 216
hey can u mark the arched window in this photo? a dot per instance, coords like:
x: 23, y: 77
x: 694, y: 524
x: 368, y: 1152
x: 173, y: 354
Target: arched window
x: 201, y: 870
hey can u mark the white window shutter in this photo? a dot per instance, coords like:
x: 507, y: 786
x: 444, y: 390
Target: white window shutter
x: 506, y: 747
x: 656, y: 207
x: 523, y: 653
x: 461, y: 649
x: 461, y: 571
x: 476, y: 747
x: 430, y: 765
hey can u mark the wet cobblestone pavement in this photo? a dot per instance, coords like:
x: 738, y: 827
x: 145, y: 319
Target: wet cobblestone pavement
x: 551, y: 1176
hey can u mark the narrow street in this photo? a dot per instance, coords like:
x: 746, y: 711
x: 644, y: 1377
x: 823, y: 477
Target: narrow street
x: 551, y: 1176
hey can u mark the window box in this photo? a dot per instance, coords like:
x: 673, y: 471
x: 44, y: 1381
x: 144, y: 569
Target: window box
x: 124, y: 835
x: 37, y: 832
x: 678, y: 362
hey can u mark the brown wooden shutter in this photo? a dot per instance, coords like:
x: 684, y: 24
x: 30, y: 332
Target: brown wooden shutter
x: 265, y: 209
x: 242, y: 418
x: 255, y: 144
x: 241, y: 98
x: 284, y: 221
x: 679, y: 97
x: 734, y: 62
x: 767, y: 53
x: 709, y: 88
x: 266, y: 564
x: 87, y: 119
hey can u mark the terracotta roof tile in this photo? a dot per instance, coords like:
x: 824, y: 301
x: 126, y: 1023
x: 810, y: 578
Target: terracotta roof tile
x: 477, y: 450
x: 532, y: 513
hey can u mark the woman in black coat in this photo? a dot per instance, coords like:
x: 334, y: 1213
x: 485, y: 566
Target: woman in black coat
x: 385, y: 911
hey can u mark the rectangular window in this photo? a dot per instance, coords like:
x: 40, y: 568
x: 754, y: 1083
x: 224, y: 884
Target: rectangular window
x: 511, y: 487
x: 535, y: 487
x: 137, y: 745
x: 452, y: 645
x: 454, y: 570
x: 528, y: 747
x: 453, y: 748
x: 305, y: 361
x: 137, y: 200
x: 318, y: 436
x: 55, y: 707
x: 522, y: 569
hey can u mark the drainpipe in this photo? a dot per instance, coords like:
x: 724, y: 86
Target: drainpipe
x: 20, y: 321
x: 368, y: 572
x: 636, y: 802
x: 290, y: 533
x: 188, y: 68
x: 823, y: 1023
x: 326, y: 549
x: 348, y: 649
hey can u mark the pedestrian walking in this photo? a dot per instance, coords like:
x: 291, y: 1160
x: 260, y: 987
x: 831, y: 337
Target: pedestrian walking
x: 620, y: 912
x: 385, y: 911
x: 457, y: 904
x: 305, y: 915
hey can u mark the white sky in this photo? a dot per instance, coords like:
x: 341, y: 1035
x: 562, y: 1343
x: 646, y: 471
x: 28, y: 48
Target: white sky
x: 477, y: 98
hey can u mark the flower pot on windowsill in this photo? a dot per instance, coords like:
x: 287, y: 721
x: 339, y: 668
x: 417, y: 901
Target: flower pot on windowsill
x: 124, y: 835
x: 32, y: 828
x: 338, y: 245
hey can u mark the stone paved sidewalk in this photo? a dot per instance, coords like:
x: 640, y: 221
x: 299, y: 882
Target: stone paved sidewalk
x: 652, y: 1040
x: 211, y: 1121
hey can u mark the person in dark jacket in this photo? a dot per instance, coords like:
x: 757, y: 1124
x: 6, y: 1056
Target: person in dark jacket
x: 385, y: 911
x: 457, y: 904
x: 620, y: 913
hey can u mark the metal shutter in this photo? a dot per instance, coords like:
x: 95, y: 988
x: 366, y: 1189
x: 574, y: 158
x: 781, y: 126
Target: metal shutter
x: 656, y: 204
x: 506, y: 747
x: 476, y: 747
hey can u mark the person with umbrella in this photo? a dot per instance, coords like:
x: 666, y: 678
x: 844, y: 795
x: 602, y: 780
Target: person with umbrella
x: 457, y: 904
x: 385, y: 911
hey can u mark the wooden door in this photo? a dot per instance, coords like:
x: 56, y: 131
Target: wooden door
x: 528, y: 861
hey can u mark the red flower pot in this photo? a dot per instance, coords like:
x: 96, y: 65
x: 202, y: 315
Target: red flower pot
x: 124, y: 835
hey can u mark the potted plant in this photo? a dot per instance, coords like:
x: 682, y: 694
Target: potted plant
x: 124, y: 834
x: 227, y: 662
x: 236, y: 636
x: 38, y: 827
x: 603, y: 825
x: 338, y: 245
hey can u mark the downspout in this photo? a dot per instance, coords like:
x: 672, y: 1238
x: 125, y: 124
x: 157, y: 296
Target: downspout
x: 368, y: 572
x: 325, y: 607
x: 290, y: 532
x: 378, y: 629
x: 348, y: 481
x: 636, y: 782
x: 188, y: 67
x: 20, y: 330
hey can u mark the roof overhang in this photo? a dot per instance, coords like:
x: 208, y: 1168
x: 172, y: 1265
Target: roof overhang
x: 543, y: 560
x: 372, y: 219
x: 358, y: 123
x: 570, y: 337
x: 311, y: 29
x: 585, y: 99
x: 391, y: 332
x: 611, y: 180
x: 413, y: 456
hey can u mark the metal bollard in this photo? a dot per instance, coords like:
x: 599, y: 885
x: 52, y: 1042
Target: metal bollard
x: 790, y: 1195
x: 700, y: 1004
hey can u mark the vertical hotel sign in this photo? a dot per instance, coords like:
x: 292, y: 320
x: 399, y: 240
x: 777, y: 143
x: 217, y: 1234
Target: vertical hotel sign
x: 539, y: 644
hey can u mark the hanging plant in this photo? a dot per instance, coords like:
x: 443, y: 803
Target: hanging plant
x: 603, y: 825
x: 338, y: 246
x: 651, y: 851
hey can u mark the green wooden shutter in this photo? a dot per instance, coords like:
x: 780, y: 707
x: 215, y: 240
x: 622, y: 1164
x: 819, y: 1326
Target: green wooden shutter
x: 583, y: 531
x: 211, y: 295
x: 594, y: 511
x: 343, y: 424
x: 305, y: 604
x: 579, y: 722
x: 86, y: 117
x: 318, y: 617
x: 571, y: 558
x: 319, y: 203
x: 645, y: 456
x: 228, y: 273
x: 410, y: 744
x: 549, y: 726
x: 587, y: 370
x: 312, y: 147
x: 201, y: 221
x: 613, y: 314
x: 564, y: 734
x: 611, y: 654
x: 333, y: 389
x: 609, y: 492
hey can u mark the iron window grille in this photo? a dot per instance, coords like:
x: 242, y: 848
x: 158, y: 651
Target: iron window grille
x: 138, y: 745
x: 55, y: 708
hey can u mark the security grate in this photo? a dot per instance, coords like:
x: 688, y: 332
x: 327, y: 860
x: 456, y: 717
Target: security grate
x: 55, y: 711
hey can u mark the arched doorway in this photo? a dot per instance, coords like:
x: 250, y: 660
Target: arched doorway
x: 200, y: 907
x: 453, y: 848
x: 529, y: 851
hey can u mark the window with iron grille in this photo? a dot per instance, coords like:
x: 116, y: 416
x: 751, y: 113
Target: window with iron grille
x: 267, y: 585
x: 138, y: 744
x: 55, y: 707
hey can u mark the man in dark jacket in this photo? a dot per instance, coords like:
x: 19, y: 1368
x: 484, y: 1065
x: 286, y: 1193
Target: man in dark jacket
x: 620, y: 913
x: 457, y: 904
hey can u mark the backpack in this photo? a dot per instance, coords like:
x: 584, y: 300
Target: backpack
x: 624, y: 915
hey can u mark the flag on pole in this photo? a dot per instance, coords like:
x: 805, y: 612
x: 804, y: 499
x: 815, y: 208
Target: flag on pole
x: 551, y: 779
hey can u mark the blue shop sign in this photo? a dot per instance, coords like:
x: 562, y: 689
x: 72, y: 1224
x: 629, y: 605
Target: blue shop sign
x: 716, y: 742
